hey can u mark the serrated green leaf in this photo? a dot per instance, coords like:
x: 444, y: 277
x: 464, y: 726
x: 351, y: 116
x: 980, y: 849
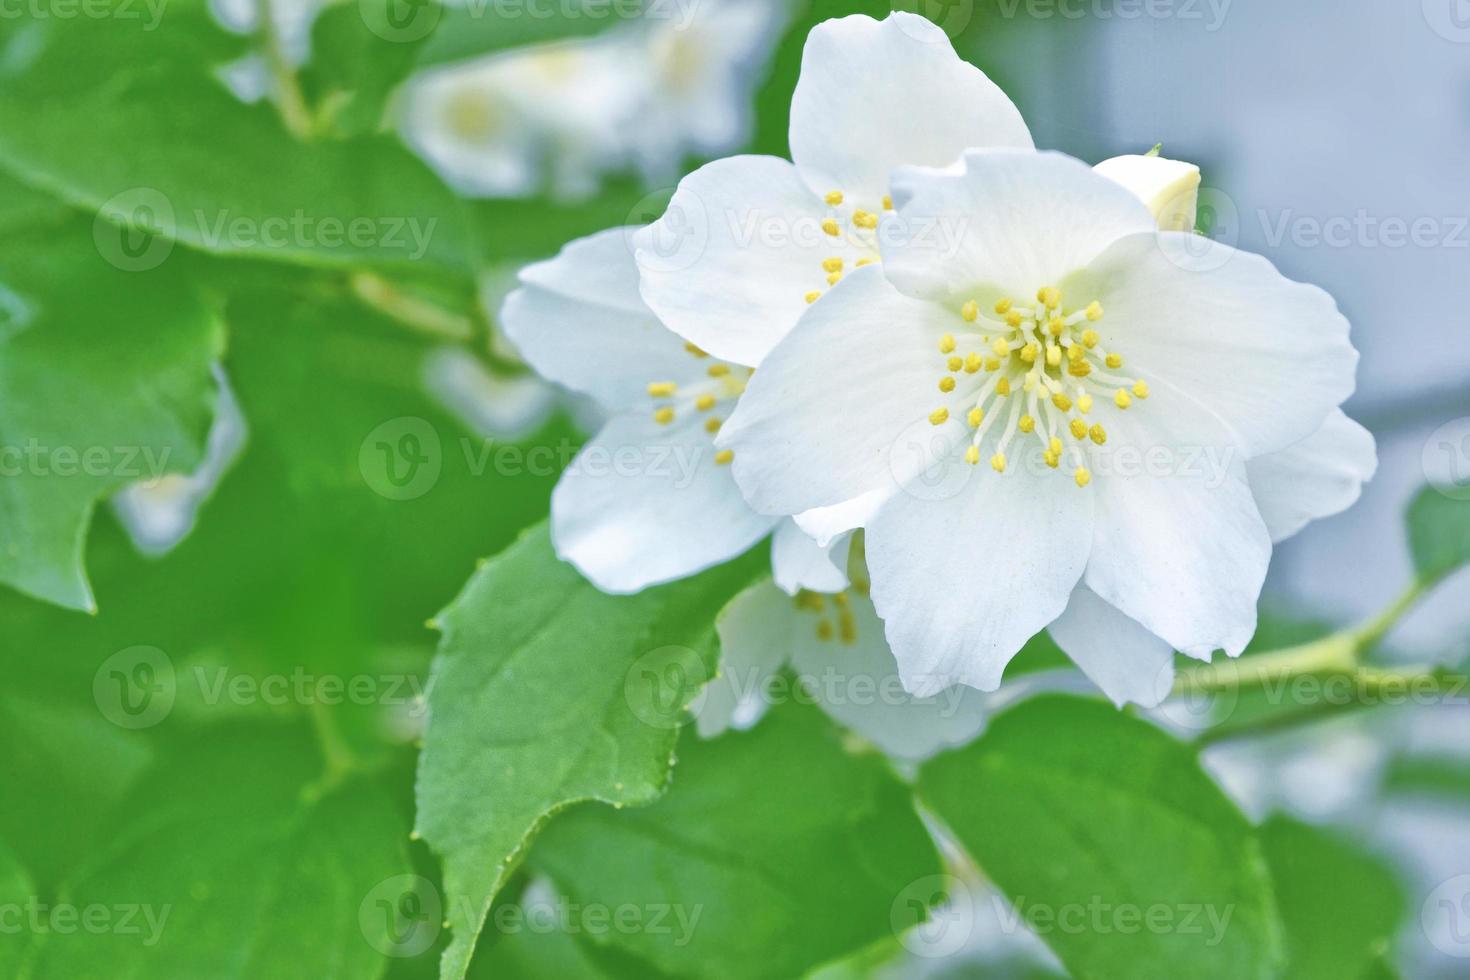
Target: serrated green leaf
x: 82, y: 116
x: 236, y: 868
x: 538, y: 701
x: 104, y: 380
x: 1341, y: 907
x: 1076, y: 809
x: 1439, y: 534
x: 803, y: 869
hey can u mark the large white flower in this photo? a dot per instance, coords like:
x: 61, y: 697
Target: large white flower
x: 748, y: 242
x: 1067, y: 417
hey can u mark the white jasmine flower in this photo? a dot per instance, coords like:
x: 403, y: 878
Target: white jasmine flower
x: 749, y: 242
x: 1089, y: 395
x: 496, y: 406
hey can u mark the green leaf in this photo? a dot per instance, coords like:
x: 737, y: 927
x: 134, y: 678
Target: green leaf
x: 546, y: 693
x: 775, y: 851
x: 82, y: 115
x: 472, y: 30
x: 16, y: 891
x: 104, y: 380
x: 1341, y: 908
x: 235, y: 866
x: 353, y: 68
x: 1439, y: 534
x: 1077, y: 810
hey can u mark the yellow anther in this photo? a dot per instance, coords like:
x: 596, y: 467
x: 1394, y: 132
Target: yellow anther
x: 1053, y: 459
x: 972, y: 455
x: 1053, y: 355
x: 1062, y: 402
x: 862, y: 262
x: 724, y: 456
x: 834, y: 264
x: 992, y: 364
x: 1114, y: 360
x: 946, y: 384
x: 976, y: 416
x: 1121, y: 398
x: 834, y: 278
x: 1097, y: 434
x: 664, y: 415
x: 939, y: 416
x: 712, y: 426
x: 955, y: 362
x: 973, y: 362
x: 694, y: 349
x: 865, y: 219
x: 946, y: 344
x: 1083, y: 476
x: 1049, y: 296
x: 704, y: 402
x: 1094, y: 311
x: 1002, y: 307
x: 1028, y: 353
x: 1140, y: 389
x: 1079, y: 429
x: 1090, y: 339
x: 970, y: 311
x: 662, y: 389
x: 1028, y: 424
x: 814, y: 295
x: 887, y: 203
x: 1056, y: 325
x: 1003, y: 388
x: 998, y: 462
x: 830, y: 227
x: 824, y: 630
x: 1084, y: 403
x: 1001, y: 348
x: 1075, y: 353
x: 1079, y: 369
x: 834, y: 198
x: 1055, y: 446
x: 1013, y: 319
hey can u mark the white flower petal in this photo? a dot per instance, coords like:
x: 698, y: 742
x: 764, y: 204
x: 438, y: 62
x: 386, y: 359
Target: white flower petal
x: 1268, y: 355
x: 1002, y: 222
x: 826, y: 523
x: 645, y: 503
x: 875, y: 95
x: 1320, y: 476
x: 730, y: 263
x: 1122, y: 658
x: 856, y: 681
x: 578, y: 320
x: 799, y: 562
x: 756, y: 632
x: 1178, y: 543
x: 1169, y: 188
x: 962, y: 583
x: 825, y: 418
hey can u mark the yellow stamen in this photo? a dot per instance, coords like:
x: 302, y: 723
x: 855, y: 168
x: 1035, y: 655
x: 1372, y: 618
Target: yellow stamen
x: 972, y: 362
x: 1114, y: 360
x: 970, y: 311
x: 662, y: 389
x: 1094, y: 311
x: 1090, y: 339
x: 865, y: 219
x: 833, y: 264
x: 1084, y: 403
x: 887, y: 203
x: 1001, y: 348
x: 1028, y: 424
x: 1062, y: 402
x: 862, y: 262
x: 1053, y: 355
x: 972, y: 455
x: 831, y: 228
x: 976, y: 416
x: 998, y: 462
x: 1121, y: 399
x: 1028, y: 353
x: 694, y: 349
x: 704, y: 402
x: 1079, y: 369
x: 992, y: 364
x: 833, y: 279
x: 724, y: 456
x: 718, y: 370
x: 1002, y: 307
x: 712, y: 426
x: 834, y: 198
x: 955, y: 362
x: 1013, y: 319
x: 1003, y: 387
x: 1098, y: 434
x: 1049, y: 296
x: 939, y: 416
x: 1056, y: 325
x: 1079, y: 429
x: 664, y: 415
x: 813, y: 296
x: 1083, y: 476
x: 946, y: 384
x: 1140, y: 389
x: 946, y: 343
x: 1052, y: 459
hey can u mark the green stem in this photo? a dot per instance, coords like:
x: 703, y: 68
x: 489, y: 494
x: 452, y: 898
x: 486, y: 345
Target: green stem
x: 412, y: 311
x: 337, y: 755
x: 288, y: 97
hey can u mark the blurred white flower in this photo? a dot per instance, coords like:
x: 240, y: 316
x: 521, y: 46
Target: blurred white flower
x: 159, y: 513
x: 1002, y: 342
x: 249, y: 77
x: 495, y: 406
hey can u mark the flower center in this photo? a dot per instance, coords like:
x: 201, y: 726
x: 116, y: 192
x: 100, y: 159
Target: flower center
x: 861, y: 239
x: 723, y: 382
x: 1040, y: 368
x: 844, y: 627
